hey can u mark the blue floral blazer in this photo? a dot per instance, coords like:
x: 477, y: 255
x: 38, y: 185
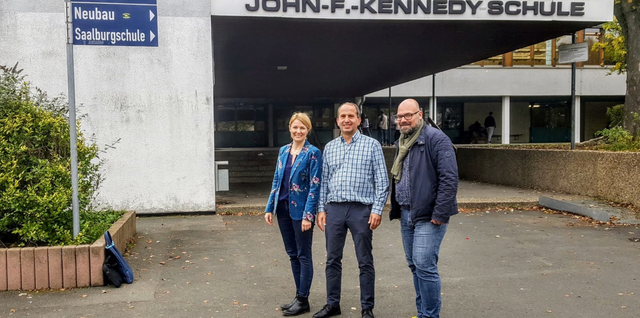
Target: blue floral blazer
x: 304, y: 181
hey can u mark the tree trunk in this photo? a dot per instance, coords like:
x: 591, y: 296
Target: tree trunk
x: 628, y: 14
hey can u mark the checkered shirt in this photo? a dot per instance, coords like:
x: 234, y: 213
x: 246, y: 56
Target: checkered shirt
x: 354, y: 172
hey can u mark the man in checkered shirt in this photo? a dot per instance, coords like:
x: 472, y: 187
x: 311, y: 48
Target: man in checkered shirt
x: 354, y: 188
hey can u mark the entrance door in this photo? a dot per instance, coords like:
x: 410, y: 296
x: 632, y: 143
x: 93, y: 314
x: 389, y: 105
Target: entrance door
x: 451, y: 119
x: 550, y: 122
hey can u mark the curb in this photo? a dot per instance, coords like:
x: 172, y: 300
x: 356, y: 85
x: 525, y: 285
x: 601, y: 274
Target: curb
x: 478, y: 204
x: 561, y: 205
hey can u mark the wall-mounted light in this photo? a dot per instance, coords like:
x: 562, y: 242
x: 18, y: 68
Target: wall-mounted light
x: 281, y: 67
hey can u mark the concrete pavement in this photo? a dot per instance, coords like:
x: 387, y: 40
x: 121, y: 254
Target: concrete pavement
x: 500, y: 264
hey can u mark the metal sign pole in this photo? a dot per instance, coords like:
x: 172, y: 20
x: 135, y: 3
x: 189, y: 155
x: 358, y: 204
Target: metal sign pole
x: 72, y: 122
x: 433, y: 97
x: 389, y: 120
x: 573, y: 98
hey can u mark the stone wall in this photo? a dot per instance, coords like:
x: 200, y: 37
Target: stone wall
x: 613, y: 176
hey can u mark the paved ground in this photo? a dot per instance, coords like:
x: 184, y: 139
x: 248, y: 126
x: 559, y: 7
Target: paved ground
x: 497, y: 264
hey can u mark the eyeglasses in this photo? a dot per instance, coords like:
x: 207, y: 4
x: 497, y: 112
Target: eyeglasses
x: 407, y: 116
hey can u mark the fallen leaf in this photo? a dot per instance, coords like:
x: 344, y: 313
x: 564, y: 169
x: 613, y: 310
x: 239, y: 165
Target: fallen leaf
x: 245, y: 305
x: 84, y: 296
x: 236, y: 303
x: 162, y: 263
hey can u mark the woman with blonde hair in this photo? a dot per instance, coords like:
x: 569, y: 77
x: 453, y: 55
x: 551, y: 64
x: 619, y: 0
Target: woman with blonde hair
x: 293, y: 200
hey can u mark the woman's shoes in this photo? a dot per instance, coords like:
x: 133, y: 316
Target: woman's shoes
x: 287, y: 306
x: 299, y: 306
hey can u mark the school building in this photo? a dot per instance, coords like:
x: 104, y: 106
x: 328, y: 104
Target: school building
x: 225, y: 75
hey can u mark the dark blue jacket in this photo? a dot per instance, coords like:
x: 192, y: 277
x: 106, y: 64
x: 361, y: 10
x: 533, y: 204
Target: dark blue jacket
x: 434, y: 178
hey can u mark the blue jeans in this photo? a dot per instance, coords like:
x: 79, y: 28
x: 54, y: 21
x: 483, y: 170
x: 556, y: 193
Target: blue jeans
x: 384, y: 136
x: 298, y: 247
x: 421, y: 247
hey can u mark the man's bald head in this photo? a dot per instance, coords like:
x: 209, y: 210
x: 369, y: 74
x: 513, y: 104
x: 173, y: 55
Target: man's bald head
x: 409, y: 105
x: 409, y: 116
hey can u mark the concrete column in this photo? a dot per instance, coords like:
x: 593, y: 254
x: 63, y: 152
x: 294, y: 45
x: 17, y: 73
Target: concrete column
x: 432, y: 107
x: 506, y: 119
x: 577, y: 135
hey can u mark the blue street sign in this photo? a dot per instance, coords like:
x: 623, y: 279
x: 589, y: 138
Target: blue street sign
x: 115, y: 24
x: 118, y: 1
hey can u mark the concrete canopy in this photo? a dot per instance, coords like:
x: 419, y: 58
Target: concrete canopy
x: 336, y: 58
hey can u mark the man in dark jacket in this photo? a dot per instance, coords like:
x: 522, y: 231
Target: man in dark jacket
x: 489, y: 125
x: 423, y: 197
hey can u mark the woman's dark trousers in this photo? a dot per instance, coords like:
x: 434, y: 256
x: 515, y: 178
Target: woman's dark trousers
x: 298, y: 246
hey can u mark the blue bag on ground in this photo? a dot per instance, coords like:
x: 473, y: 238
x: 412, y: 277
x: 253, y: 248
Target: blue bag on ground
x: 121, y: 264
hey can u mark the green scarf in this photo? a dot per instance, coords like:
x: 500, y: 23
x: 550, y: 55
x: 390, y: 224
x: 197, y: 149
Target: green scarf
x: 405, y: 142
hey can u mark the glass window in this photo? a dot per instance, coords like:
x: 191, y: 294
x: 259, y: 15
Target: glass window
x: 245, y: 118
x: 261, y: 118
x: 592, y: 36
x: 495, y: 60
x: 225, y: 118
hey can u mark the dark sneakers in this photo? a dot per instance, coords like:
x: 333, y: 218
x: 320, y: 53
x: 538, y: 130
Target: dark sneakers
x: 300, y: 305
x: 367, y: 313
x: 328, y: 311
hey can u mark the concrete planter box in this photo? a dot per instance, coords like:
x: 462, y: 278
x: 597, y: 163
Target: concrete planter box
x: 609, y: 175
x: 57, y: 267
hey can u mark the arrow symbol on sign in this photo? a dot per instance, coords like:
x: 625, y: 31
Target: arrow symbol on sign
x: 153, y: 36
x: 151, y: 15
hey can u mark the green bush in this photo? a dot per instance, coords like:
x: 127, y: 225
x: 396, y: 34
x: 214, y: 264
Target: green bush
x: 616, y: 115
x: 35, y: 170
x: 617, y: 138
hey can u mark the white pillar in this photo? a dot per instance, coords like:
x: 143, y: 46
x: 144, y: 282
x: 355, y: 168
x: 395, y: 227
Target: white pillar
x: 432, y: 107
x: 577, y: 137
x: 506, y: 119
